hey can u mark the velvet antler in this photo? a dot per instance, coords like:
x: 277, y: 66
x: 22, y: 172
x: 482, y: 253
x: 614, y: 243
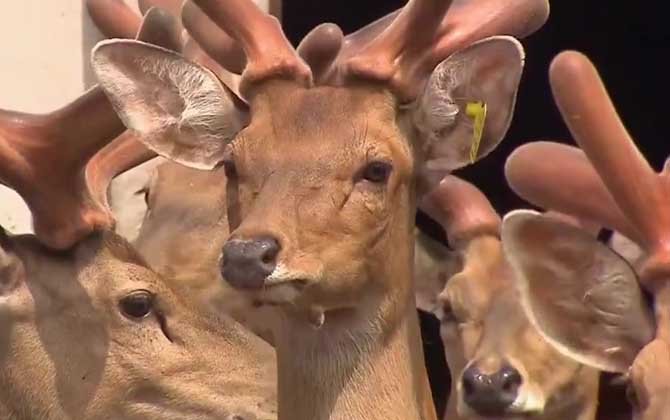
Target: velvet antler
x: 45, y: 157
x: 462, y: 210
x: 426, y: 32
x: 566, y: 182
x: 268, y: 52
x: 641, y: 194
x: 114, y: 18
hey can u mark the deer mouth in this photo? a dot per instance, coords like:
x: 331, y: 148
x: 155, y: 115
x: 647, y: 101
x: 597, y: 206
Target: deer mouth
x: 278, y: 290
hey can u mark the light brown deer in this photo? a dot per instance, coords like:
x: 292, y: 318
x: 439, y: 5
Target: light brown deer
x: 159, y: 206
x: 321, y: 191
x: 501, y: 366
x: 582, y: 296
x: 87, y: 330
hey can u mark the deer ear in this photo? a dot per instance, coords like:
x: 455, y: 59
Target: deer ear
x: 180, y: 109
x: 433, y: 265
x: 581, y: 296
x: 487, y: 73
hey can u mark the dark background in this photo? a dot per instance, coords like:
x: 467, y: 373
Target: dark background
x: 626, y: 40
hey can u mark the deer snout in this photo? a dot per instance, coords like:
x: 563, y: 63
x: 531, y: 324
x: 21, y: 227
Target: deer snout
x: 246, y: 263
x: 490, y: 394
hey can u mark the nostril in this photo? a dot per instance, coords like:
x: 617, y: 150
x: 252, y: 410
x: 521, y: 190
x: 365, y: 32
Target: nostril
x: 469, y: 380
x: 270, y: 252
x: 468, y: 386
x: 511, y: 380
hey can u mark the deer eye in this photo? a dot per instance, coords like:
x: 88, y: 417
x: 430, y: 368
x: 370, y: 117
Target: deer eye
x: 377, y: 172
x: 137, y: 304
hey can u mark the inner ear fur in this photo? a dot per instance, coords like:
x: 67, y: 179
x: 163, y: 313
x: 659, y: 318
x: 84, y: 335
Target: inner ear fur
x: 180, y: 109
x: 488, y: 71
x: 580, y: 295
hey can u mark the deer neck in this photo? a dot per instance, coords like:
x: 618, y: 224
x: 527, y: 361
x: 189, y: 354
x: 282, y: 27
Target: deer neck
x: 368, y: 370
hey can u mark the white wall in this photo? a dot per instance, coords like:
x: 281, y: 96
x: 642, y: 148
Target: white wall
x: 43, y: 65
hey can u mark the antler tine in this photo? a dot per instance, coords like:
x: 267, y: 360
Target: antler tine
x: 462, y: 209
x: 355, y: 41
x: 417, y: 24
x: 171, y: 6
x: 268, y: 52
x: 123, y: 153
x: 320, y: 47
x: 160, y: 27
x: 592, y: 119
x: 324, y: 46
x: 580, y: 191
x: 405, y: 53
x: 213, y: 40
x: 114, y: 18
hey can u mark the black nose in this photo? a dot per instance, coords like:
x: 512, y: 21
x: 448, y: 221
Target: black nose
x: 246, y: 263
x: 490, y: 395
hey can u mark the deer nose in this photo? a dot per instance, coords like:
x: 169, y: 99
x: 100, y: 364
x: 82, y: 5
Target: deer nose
x: 246, y: 263
x: 490, y: 394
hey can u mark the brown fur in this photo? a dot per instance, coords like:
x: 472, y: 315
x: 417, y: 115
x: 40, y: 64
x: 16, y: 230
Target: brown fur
x: 487, y: 326
x: 184, y: 228
x: 350, y: 241
x: 61, y: 327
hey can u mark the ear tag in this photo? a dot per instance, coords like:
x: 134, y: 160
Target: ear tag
x: 476, y: 111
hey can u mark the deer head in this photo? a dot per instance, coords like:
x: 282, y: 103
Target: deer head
x: 90, y: 331
x: 161, y: 205
x: 501, y: 366
x: 578, y: 282
x: 188, y: 206
x: 321, y: 191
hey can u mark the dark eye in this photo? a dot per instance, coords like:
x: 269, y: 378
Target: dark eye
x: 377, y: 172
x: 137, y: 304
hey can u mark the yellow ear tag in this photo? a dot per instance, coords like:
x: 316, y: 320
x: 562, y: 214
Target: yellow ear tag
x: 476, y: 111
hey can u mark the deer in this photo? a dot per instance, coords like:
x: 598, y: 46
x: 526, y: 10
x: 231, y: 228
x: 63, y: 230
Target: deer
x: 160, y: 205
x: 321, y: 185
x: 501, y: 366
x: 583, y: 297
x: 82, y: 316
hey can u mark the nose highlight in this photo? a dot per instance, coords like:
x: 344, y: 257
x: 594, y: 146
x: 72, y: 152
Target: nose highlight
x: 246, y: 263
x: 490, y: 394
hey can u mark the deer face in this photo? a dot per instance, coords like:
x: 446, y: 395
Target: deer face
x: 321, y: 179
x: 173, y: 206
x: 140, y: 351
x: 322, y: 215
x: 501, y: 365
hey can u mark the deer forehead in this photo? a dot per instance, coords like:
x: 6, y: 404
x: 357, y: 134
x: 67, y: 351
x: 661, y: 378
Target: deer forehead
x: 322, y: 123
x: 484, y: 274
